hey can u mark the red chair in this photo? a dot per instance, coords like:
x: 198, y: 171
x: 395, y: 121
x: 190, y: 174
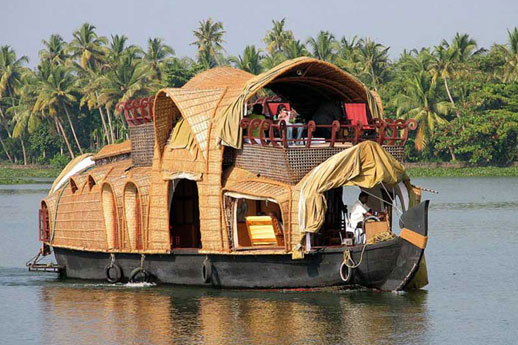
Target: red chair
x: 357, y: 113
x: 274, y: 106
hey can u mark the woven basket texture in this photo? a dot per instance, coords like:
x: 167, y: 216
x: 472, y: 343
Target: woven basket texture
x: 142, y: 144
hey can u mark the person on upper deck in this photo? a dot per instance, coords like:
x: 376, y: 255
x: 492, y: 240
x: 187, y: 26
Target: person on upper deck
x: 325, y: 114
x: 257, y: 113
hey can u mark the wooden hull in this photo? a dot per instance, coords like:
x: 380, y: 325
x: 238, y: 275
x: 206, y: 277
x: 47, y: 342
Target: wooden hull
x: 393, y: 265
x: 184, y: 267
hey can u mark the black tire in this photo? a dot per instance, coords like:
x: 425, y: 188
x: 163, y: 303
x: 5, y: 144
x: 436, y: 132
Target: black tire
x: 113, y: 273
x: 206, y: 271
x: 346, y: 276
x: 139, y: 275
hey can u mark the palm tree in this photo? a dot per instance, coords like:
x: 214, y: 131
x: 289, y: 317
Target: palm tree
x: 277, y: 38
x: 372, y: 62
x: 25, y: 120
x: 128, y: 79
x: 510, y: 55
x: 209, y: 41
x: 54, y: 50
x: 156, y: 54
x: 56, y: 93
x: 444, y: 67
x: 420, y: 101
x: 87, y: 47
x: 295, y: 49
x: 250, y: 61
x: 11, y: 69
x: 324, y: 46
x: 270, y: 61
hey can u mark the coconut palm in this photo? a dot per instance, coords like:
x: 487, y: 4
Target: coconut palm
x: 88, y: 48
x: 155, y: 56
x: 277, y: 38
x: 25, y: 119
x: 250, y: 61
x: 421, y: 102
x: 510, y: 55
x: 295, y: 49
x: 371, y: 60
x: 127, y: 80
x: 444, y: 66
x: 270, y: 61
x: 11, y: 69
x: 324, y: 46
x: 209, y: 41
x: 56, y: 94
x: 54, y: 50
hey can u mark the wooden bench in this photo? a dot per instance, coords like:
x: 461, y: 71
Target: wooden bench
x: 264, y: 231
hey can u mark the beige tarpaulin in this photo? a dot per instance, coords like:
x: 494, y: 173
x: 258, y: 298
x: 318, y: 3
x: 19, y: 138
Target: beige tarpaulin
x: 227, y: 121
x: 364, y: 165
x: 182, y: 138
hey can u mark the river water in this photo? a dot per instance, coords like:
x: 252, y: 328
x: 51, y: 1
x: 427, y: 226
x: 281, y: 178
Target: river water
x: 472, y: 259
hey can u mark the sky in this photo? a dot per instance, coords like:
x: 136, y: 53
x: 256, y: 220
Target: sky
x: 398, y: 24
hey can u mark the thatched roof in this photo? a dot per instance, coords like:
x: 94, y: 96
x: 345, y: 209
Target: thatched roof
x: 113, y: 150
x: 223, y: 92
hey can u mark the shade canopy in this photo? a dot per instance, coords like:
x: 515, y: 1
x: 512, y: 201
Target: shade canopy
x: 305, y: 83
x: 364, y: 165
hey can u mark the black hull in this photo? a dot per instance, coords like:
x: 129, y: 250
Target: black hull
x: 184, y: 267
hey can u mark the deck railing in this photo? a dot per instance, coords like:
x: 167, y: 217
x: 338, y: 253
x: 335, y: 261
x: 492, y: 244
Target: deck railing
x: 281, y: 134
x: 137, y: 111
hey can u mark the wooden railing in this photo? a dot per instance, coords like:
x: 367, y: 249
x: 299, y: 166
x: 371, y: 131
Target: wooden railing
x: 385, y: 132
x: 137, y: 111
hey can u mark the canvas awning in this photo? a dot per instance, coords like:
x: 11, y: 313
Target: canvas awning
x: 364, y: 165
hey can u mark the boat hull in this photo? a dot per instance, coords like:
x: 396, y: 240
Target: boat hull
x: 317, y: 269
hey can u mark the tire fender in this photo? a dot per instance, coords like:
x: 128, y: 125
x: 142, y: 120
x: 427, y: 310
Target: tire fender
x: 139, y: 275
x: 206, y: 271
x: 113, y: 273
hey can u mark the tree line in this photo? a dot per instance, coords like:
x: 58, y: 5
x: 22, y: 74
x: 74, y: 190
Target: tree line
x: 464, y: 97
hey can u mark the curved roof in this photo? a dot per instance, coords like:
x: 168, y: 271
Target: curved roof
x: 303, y: 81
x: 221, y: 94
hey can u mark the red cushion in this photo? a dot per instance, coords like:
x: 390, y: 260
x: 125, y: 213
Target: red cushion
x: 356, y: 112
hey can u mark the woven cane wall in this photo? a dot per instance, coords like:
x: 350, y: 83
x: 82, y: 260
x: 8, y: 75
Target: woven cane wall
x: 92, y: 218
x: 142, y: 144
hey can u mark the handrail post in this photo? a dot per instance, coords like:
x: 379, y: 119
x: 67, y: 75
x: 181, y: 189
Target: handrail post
x: 311, y: 128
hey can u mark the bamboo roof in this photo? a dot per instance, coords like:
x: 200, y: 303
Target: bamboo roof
x: 113, y: 150
x: 222, y: 93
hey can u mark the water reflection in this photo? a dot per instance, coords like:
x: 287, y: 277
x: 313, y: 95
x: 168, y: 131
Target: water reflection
x: 198, y: 316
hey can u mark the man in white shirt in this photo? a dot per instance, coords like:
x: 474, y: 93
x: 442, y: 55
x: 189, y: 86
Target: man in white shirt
x: 359, y: 212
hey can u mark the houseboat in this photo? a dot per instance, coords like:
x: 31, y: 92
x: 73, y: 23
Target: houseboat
x: 204, y: 193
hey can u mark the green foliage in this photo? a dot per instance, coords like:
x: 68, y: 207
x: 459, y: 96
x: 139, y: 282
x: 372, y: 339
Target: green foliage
x: 488, y: 171
x: 59, y: 161
x: 465, y: 98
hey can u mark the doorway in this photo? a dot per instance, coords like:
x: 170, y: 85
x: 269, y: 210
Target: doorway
x: 184, y: 215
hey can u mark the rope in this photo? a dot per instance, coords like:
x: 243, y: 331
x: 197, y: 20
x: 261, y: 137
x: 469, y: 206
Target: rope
x: 381, y: 237
x: 142, y: 258
x: 348, y: 259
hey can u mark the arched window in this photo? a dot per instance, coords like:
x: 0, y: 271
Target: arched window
x: 73, y: 185
x: 132, y: 215
x: 110, y: 216
x: 91, y: 182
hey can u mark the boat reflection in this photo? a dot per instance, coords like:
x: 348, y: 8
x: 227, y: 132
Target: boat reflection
x: 169, y: 315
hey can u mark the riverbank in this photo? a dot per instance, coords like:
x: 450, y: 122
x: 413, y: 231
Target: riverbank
x: 442, y: 171
x: 14, y: 174
x: 43, y: 174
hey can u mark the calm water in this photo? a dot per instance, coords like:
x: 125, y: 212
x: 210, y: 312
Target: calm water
x: 472, y: 260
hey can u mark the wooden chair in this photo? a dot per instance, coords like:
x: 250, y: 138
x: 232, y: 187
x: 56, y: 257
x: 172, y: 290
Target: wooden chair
x: 264, y: 231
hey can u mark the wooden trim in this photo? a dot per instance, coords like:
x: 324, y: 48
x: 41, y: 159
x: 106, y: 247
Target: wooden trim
x: 413, y: 237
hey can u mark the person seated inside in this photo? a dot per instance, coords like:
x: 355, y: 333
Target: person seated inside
x: 359, y: 212
x: 325, y: 114
x: 283, y: 114
x: 257, y: 113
